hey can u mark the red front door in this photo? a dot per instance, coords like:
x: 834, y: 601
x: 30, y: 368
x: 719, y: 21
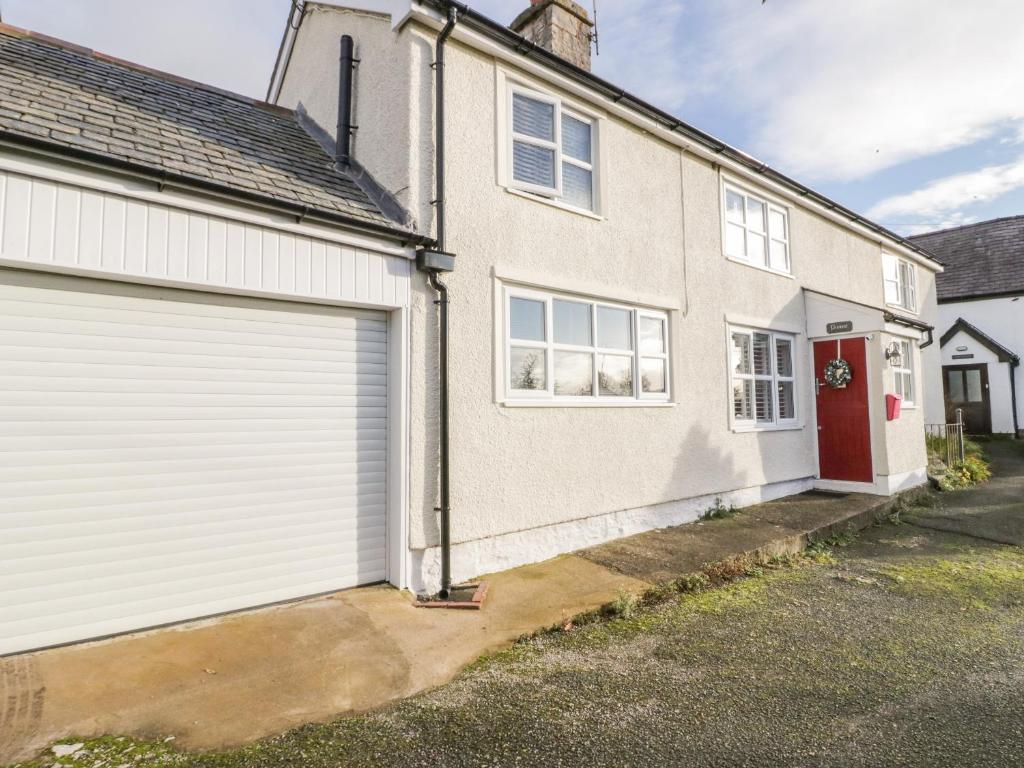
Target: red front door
x: 844, y: 428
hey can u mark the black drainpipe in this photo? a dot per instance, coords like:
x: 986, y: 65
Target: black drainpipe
x: 1013, y: 397
x: 343, y: 152
x: 433, y: 262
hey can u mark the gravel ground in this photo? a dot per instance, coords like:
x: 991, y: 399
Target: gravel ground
x: 904, y: 648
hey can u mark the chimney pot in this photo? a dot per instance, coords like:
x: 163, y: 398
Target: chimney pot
x: 560, y: 26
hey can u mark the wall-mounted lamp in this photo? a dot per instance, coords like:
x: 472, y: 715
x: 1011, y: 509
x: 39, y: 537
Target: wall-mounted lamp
x: 894, y: 355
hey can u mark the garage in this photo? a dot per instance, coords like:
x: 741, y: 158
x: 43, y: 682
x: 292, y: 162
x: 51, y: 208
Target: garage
x: 172, y: 454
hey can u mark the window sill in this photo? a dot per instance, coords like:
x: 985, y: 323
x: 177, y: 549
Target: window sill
x: 901, y: 308
x: 585, y: 404
x: 769, y: 270
x: 743, y: 429
x: 554, y: 203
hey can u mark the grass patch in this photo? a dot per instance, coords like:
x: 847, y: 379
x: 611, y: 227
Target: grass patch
x: 979, y: 580
x: 973, y: 470
x: 719, y: 511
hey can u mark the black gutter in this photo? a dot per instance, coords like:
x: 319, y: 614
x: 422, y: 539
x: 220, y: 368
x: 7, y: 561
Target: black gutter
x: 520, y: 45
x: 185, y: 183
x: 444, y: 448
x: 908, y: 322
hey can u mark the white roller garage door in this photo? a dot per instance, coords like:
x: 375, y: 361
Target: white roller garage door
x: 166, y: 455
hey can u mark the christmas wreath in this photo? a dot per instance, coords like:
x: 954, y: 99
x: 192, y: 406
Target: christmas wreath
x: 838, y: 373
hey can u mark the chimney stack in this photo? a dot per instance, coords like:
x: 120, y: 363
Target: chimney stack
x: 560, y: 26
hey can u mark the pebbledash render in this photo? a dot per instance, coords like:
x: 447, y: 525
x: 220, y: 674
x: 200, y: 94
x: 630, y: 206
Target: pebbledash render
x: 640, y: 316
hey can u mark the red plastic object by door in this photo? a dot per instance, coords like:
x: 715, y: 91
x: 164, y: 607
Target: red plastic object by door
x: 893, y: 406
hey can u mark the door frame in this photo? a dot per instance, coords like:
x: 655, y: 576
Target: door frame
x: 846, y: 485
x: 985, y: 388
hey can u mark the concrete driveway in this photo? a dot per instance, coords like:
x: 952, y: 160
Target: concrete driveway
x: 905, y: 647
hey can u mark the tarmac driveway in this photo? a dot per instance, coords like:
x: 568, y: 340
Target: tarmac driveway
x: 905, y: 647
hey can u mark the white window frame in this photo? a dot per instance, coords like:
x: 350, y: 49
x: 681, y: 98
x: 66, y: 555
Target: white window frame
x: 777, y: 423
x: 899, y: 279
x: 547, y: 395
x: 770, y: 206
x: 905, y: 372
x: 551, y: 194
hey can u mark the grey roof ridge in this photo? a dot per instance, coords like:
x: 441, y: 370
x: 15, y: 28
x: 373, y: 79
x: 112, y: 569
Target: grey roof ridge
x: 958, y: 227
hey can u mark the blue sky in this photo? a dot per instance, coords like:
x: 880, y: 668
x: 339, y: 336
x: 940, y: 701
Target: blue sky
x: 908, y: 111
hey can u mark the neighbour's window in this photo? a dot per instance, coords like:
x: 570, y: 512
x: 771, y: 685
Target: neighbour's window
x: 763, y: 378
x: 904, y: 374
x: 552, y: 149
x: 573, y: 349
x: 900, y: 282
x: 756, y: 230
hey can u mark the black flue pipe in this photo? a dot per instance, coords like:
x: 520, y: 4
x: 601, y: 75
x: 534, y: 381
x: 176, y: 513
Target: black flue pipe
x: 343, y: 151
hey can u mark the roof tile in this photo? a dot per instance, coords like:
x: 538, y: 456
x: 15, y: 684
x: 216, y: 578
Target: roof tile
x: 981, y: 259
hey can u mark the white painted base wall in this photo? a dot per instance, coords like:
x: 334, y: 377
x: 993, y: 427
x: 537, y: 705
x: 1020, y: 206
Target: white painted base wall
x: 511, y: 550
x: 884, y: 485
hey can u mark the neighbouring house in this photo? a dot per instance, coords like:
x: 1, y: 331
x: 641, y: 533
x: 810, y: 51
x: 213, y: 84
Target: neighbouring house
x: 981, y: 326
x: 453, y: 304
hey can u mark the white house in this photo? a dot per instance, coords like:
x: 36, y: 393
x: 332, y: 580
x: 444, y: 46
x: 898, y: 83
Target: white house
x: 224, y: 382
x: 981, y: 322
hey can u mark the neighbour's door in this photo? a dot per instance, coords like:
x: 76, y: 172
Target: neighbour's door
x: 844, y: 427
x: 966, y: 388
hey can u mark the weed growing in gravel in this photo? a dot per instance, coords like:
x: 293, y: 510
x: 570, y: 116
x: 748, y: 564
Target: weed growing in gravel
x: 625, y: 605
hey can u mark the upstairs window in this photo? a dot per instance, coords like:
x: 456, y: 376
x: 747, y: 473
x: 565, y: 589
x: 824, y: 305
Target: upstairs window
x: 756, y: 230
x: 900, y: 278
x: 552, y: 150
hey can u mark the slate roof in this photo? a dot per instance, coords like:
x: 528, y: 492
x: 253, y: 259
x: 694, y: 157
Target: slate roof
x: 62, y: 96
x: 981, y: 259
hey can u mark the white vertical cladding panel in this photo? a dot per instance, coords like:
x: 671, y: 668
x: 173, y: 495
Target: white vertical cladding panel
x: 54, y: 225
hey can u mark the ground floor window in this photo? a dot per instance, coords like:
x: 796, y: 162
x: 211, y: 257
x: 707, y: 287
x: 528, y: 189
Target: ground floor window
x: 903, y: 373
x: 572, y: 349
x: 764, y: 391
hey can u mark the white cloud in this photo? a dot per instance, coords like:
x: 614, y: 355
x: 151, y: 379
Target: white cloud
x: 953, y: 193
x: 840, y: 90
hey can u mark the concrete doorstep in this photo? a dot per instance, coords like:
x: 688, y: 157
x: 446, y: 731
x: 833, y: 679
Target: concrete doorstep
x: 229, y: 681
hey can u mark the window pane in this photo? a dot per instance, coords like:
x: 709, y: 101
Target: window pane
x: 576, y: 138
x: 652, y: 335
x: 734, y: 206
x: 528, y: 369
x: 779, y: 256
x: 784, y: 357
x: 741, y: 353
x: 762, y: 354
x: 527, y: 319
x: 615, y: 375
x: 735, y: 241
x: 787, y: 400
x: 777, y: 225
x: 764, y: 402
x: 534, y: 165
x: 743, y: 400
x: 755, y: 215
x: 614, y: 328
x: 652, y: 375
x: 756, y: 248
x: 533, y: 118
x: 974, y: 394
x: 577, y: 186
x: 956, y: 386
x: 574, y: 374
x: 572, y: 324
x: 908, y: 387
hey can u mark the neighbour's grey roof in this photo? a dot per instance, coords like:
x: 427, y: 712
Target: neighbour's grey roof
x: 58, y: 96
x: 983, y: 259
